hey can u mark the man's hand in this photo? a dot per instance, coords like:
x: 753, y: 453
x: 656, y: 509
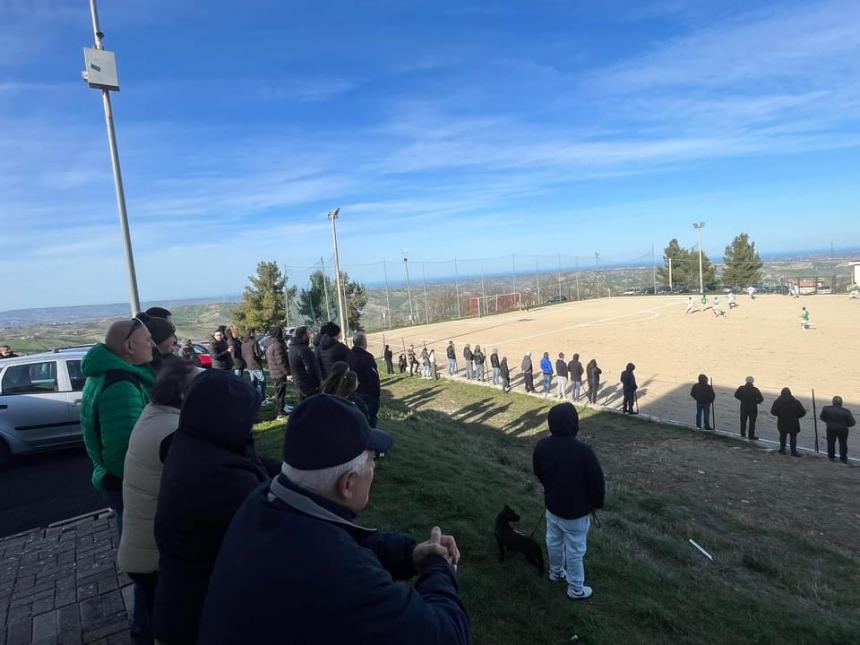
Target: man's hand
x: 438, y: 544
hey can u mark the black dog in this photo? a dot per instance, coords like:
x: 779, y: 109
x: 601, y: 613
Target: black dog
x: 512, y: 540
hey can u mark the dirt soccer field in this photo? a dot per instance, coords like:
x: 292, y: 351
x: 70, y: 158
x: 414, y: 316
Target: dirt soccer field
x: 761, y: 338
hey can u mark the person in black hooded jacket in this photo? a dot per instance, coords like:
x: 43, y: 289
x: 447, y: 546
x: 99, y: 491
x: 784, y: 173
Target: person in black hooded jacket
x: 209, y: 470
x: 303, y: 364
x: 573, y: 488
x: 220, y: 351
x: 788, y: 412
x: 704, y: 395
x: 330, y: 349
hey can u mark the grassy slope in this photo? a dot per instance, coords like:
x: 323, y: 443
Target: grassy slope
x: 462, y: 452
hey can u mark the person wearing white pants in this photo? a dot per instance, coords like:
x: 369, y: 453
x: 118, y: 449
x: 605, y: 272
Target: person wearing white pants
x: 573, y: 489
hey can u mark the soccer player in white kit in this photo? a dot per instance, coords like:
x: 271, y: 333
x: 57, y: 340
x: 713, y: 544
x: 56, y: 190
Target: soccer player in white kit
x: 689, y: 304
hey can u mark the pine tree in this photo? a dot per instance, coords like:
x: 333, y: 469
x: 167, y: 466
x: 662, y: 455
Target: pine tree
x: 313, y: 304
x: 263, y: 303
x: 742, y: 263
x: 356, y: 300
x: 681, y: 265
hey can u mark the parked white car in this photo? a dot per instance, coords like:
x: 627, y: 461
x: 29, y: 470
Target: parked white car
x: 40, y: 400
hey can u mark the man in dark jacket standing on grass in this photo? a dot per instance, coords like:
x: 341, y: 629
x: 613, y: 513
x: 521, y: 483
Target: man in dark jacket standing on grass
x: 467, y: 356
x: 528, y: 372
x: 575, y: 371
x: 303, y: 364
x: 451, y: 353
x: 573, y: 488
x: 219, y: 348
x: 279, y: 368
x: 704, y: 396
x: 330, y: 349
x: 363, y: 364
x: 296, y: 568
x: 629, y: 387
x: 838, y: 420
x: 253, y: 357
x: 750, y: 398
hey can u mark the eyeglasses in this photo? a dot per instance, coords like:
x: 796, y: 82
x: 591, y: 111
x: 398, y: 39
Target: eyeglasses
x: 135, y: 323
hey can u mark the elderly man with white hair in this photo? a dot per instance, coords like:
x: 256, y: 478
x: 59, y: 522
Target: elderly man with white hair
x: 363, y: 364
x: 750, y: 397
x: 294, y: 566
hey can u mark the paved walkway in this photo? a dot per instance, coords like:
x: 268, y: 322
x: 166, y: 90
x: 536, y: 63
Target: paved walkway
x: 60, y: 585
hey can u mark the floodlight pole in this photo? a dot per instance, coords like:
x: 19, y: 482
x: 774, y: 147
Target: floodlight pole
x: 699, y: 226
x: 341, y: 297
x: 409, y: 289
x: 134, y: 297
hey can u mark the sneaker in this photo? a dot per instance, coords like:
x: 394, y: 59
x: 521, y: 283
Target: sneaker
x: 288, y: 409
x: 281, y: 417
x: 583, y: 594
x: 555, y: 577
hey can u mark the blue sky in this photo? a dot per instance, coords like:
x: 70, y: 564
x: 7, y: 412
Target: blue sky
x: 451, y: 129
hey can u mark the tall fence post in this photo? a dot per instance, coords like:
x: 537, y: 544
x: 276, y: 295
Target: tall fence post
x: 325, y: 289
x: 424, y: 278
x: 483, y: 293
x: 576, y: 273
x: 537, y: 278
x: 559, y: 277
x: 514, y: 276
x: 457, y: 287
x: 387, y: 297
x: 815, y: 420
x: 654, y: 269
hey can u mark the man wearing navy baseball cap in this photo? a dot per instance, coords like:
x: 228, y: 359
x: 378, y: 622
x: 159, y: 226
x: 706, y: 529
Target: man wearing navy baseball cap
x: 295, y: 567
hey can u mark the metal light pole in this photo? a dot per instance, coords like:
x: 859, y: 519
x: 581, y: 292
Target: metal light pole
x: 387, y: 298
x: 457, y: 287
x: 101, y: 73
x: 597, y: 272
x: 424, y: 280
x: 408, y: 288
x: 341, y: 298
x: 325, y: 290
x: 699, y: 226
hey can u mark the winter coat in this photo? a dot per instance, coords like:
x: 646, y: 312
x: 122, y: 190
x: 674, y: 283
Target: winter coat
x: 467, y: 354
x: 388, y: 355
x: 545, y: 365
x: 277, y: 360
x: 788, y: 412
x: 330, y: 352
x: 561, y: 368
x: 594, y: 373
x: 628, y: 380
x: 137, y: 551
x: 114, y: 395
x: 703, y: 393
x: 573, y: 482
x: 295, y: 568
x: 450, y: 352
x: 210, y: 469
x: 526, y: 365
x: 364, y: 365
x: 749, y: 396
x: 304, y: 368
x: 504, y: 372
x: 478, y: 357
x: 576, y: 370
x: 494, y: 360
x: 837, y: 418
x: 238, y: 361
x: 252, y: 355
x: 220, y: 350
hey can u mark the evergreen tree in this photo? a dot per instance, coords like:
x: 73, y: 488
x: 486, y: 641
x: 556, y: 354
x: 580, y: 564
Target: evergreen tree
x: 356, y: 301
x: 263, y: 303
x: 681, y: 265
x: 313, y: 304
x: 742, y: 263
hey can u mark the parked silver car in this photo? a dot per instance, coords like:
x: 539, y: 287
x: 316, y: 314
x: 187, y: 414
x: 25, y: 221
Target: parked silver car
x: 40, y: 400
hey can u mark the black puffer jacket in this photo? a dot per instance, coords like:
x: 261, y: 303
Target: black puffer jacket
x: 573, y: 482
x: 494, y: 360
x: 836, y: 417
x: 238, y: 360
x: 251, y: 354
x: 221, y: 359
x: 210, y: 469
x: 304, y: 368
x: 561, y: 368
x: 276, y: 359
x: 450, y: 352
x: 364, y: 365
x: 329, y: 352
x: 749, y: 396
x: 702, y: 393
x: 788, y: 412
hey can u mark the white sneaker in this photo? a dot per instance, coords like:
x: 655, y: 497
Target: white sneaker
x: 584, y: 594
x: 288, y: 409
x: 555, y: 577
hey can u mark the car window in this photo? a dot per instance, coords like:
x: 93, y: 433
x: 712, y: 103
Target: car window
x: 33, y: 378
x: 76, y: 376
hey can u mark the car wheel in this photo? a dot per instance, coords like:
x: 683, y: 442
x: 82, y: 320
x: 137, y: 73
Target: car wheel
x: 5, y: 454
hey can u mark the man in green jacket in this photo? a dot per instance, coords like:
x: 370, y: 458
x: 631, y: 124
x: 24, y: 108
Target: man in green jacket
x: 119, y: 377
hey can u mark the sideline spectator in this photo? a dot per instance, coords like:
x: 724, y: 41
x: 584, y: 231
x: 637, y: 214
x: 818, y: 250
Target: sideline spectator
x: 574, y: 487
x: 220, y: 350
x: 330, y: 348
x: 478, y: 360
x: 425, y: 363
x: 278, y: 362
x: 528, y: 372
x: 494, y: 364
x: 450, y: 352
x: 137, y: 555
x: 252, y: 356
x: 593, y: 372
x: 434, y: 373
x: 750, y: 398
x: 561, y: 372
x: 343, y: 382
x: 838, y: 420
x: 163, y: 335
x: 235, y: 345
x: 413, y: 362
x: 160, y: 312
x: 294, y: 541
x: 119, y: 379
x: 575, y: 371
x: 304, y: 366
x: 788, y: 412
x: 546, y: 370
x: 629, y: 387
x: 6, y: 352
x: 210, y: 469
x: 401, y: 363
x: 189, y: 354
x: 388, y: 355
x: 467, y: 356
x: 505, y: 374
x: 364, y: 365
x: 704, y: 396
